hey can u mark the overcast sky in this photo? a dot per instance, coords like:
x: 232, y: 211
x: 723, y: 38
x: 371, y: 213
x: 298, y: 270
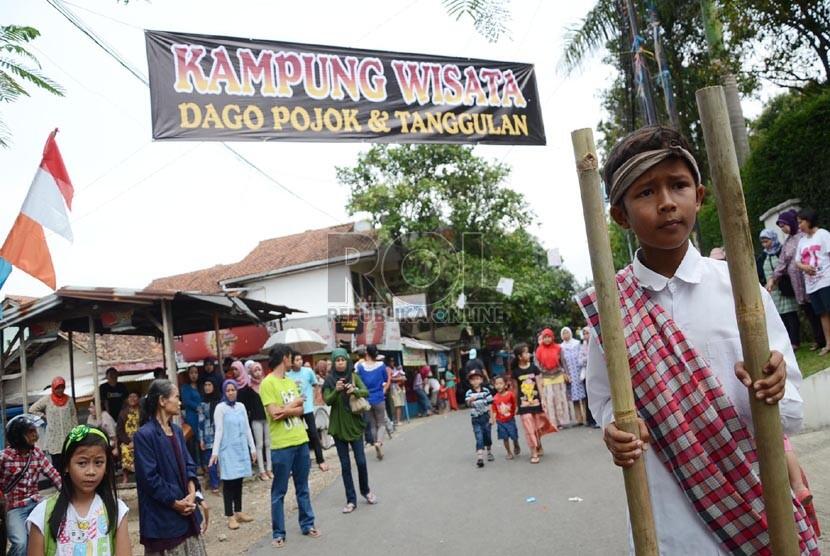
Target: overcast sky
x: 144, y: 210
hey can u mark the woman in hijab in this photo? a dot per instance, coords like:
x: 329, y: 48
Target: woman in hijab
x: 571, y: 357
x: 346, y: 427
x: 256, y: 416
x: 232, y: 445
x: 207, y: 431
x: 554, y: 380
x: 786, y: 305
x: 789, y: 279
x: 61, y: 417
x: 418, y: 386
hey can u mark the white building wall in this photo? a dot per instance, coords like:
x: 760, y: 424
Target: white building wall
x: 315, y: 291
x: 54, y: 362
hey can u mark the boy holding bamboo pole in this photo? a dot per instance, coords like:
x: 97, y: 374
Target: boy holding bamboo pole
x: 684, y: 351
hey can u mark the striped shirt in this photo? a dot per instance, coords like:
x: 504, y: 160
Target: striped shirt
x: 479, y: 401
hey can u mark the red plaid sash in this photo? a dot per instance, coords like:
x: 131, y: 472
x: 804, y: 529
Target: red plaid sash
x: 695, y: 429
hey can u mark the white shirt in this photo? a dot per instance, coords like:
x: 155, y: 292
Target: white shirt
x: 815, y: 251
x: 699, y: 299
x: 80, y: 534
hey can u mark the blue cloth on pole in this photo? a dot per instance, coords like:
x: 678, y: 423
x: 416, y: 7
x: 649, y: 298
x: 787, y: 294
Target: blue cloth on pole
x: 5, y: 270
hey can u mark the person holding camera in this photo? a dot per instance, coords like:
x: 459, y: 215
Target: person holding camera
x: 343, y: 388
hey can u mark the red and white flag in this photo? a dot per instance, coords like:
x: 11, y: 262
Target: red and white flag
x: 46, y: 205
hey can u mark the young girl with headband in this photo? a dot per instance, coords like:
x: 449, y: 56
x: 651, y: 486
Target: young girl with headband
x: 85, y: 517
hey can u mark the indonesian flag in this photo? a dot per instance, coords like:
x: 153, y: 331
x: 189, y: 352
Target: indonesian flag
x: 46, y: 205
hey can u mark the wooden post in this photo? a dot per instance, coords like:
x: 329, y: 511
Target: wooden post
x: 93, y: 349
x: 613, y: 341
x: 72, y: 367
x: 2, y: 382
x: 218, y: 338
x: 749, y: 310
x: 24, y: 380
x: 169, y: 347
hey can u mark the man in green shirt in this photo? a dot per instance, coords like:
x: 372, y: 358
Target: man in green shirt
x: 289, y: 445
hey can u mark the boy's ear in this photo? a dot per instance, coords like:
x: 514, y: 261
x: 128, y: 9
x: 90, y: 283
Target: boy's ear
x: 620, y: 217
x: 701, y: 195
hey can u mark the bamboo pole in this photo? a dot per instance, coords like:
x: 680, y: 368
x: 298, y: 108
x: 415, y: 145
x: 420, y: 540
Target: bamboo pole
x: 72, y: 366
x: 613, y: 341
x: 749, y: 310
x: 218, y: 338
x: 2, y: 382
x: 93, y: 348
x: 24, y: 370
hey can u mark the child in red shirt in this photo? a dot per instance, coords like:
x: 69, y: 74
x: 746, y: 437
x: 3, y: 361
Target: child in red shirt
x: 504, y: 412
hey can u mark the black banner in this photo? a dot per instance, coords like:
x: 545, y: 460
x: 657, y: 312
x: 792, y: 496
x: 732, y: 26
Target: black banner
x: 211, y: 88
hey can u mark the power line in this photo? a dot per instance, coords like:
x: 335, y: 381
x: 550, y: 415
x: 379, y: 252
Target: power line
x: 77, y: 22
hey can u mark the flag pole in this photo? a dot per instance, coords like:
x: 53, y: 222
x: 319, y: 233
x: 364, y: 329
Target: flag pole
x: 613, y: 341
x: 749, y: 309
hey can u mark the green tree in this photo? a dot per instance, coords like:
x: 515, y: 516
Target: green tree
x: 17, y: 67
x: 459, y: 229
x: 792, y: 38
x: 789, y: 150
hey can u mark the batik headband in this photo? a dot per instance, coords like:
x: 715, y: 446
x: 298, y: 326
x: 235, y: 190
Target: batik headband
x: 625, y: 176
x: 80, y: 432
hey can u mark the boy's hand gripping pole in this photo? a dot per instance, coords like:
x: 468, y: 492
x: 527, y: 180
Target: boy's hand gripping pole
x: 749, y: 309
x: 613, y: 342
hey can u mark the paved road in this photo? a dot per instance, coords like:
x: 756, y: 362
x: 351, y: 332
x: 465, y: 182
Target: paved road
x: 433, y: 500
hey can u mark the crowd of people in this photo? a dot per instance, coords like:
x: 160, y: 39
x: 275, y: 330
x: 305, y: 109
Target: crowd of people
x: 687, y: 373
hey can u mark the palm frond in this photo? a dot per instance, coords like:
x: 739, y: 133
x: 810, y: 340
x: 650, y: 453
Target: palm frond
x: 491, y: 18
x: 5, y: 135
x: 17, y: 33
x: 596, y: 28
x: 32, y: 76
x: 18, y: 50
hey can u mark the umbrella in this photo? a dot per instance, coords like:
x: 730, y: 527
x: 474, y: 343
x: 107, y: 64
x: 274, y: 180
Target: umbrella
x: 300, y: 339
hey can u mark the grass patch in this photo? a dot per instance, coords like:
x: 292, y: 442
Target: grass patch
x: 810, y: 362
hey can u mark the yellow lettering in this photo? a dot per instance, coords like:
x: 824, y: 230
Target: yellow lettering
x: 298, y: 113
x: 402, y: 116
x: 507, y: 126
x: 333, y: 120
x: 520, y: 122
x: 350, y: 120
x: 434, y: 119
x: 418, y: 123
x: 280, y: 115
x: 450, y: 123
x: 212, y: 118
x: 253, y: 117
x: 236, y: 121
x: 186, y: 110
x: 464, y: 124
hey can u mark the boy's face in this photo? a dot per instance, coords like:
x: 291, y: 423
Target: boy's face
x: 475, y: 381
x: 499, y: 385
x: 661, y: 206
x: 524, y: 357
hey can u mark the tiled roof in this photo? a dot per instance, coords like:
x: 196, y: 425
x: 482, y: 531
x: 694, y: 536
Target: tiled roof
x: 205, y: 280
x: 272, y: 255
x: 306, y: 247
x: 118, y: 349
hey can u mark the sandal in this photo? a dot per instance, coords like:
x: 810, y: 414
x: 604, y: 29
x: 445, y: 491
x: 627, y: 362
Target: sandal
x: 278, y: 543
x: 824, y: 351
x: 313, y: 533
x: 348, y: 508
x: 371, y: 498
x: 490, y: 456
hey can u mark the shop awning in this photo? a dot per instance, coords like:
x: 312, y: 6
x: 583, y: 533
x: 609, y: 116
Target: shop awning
x: 425, y: 345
